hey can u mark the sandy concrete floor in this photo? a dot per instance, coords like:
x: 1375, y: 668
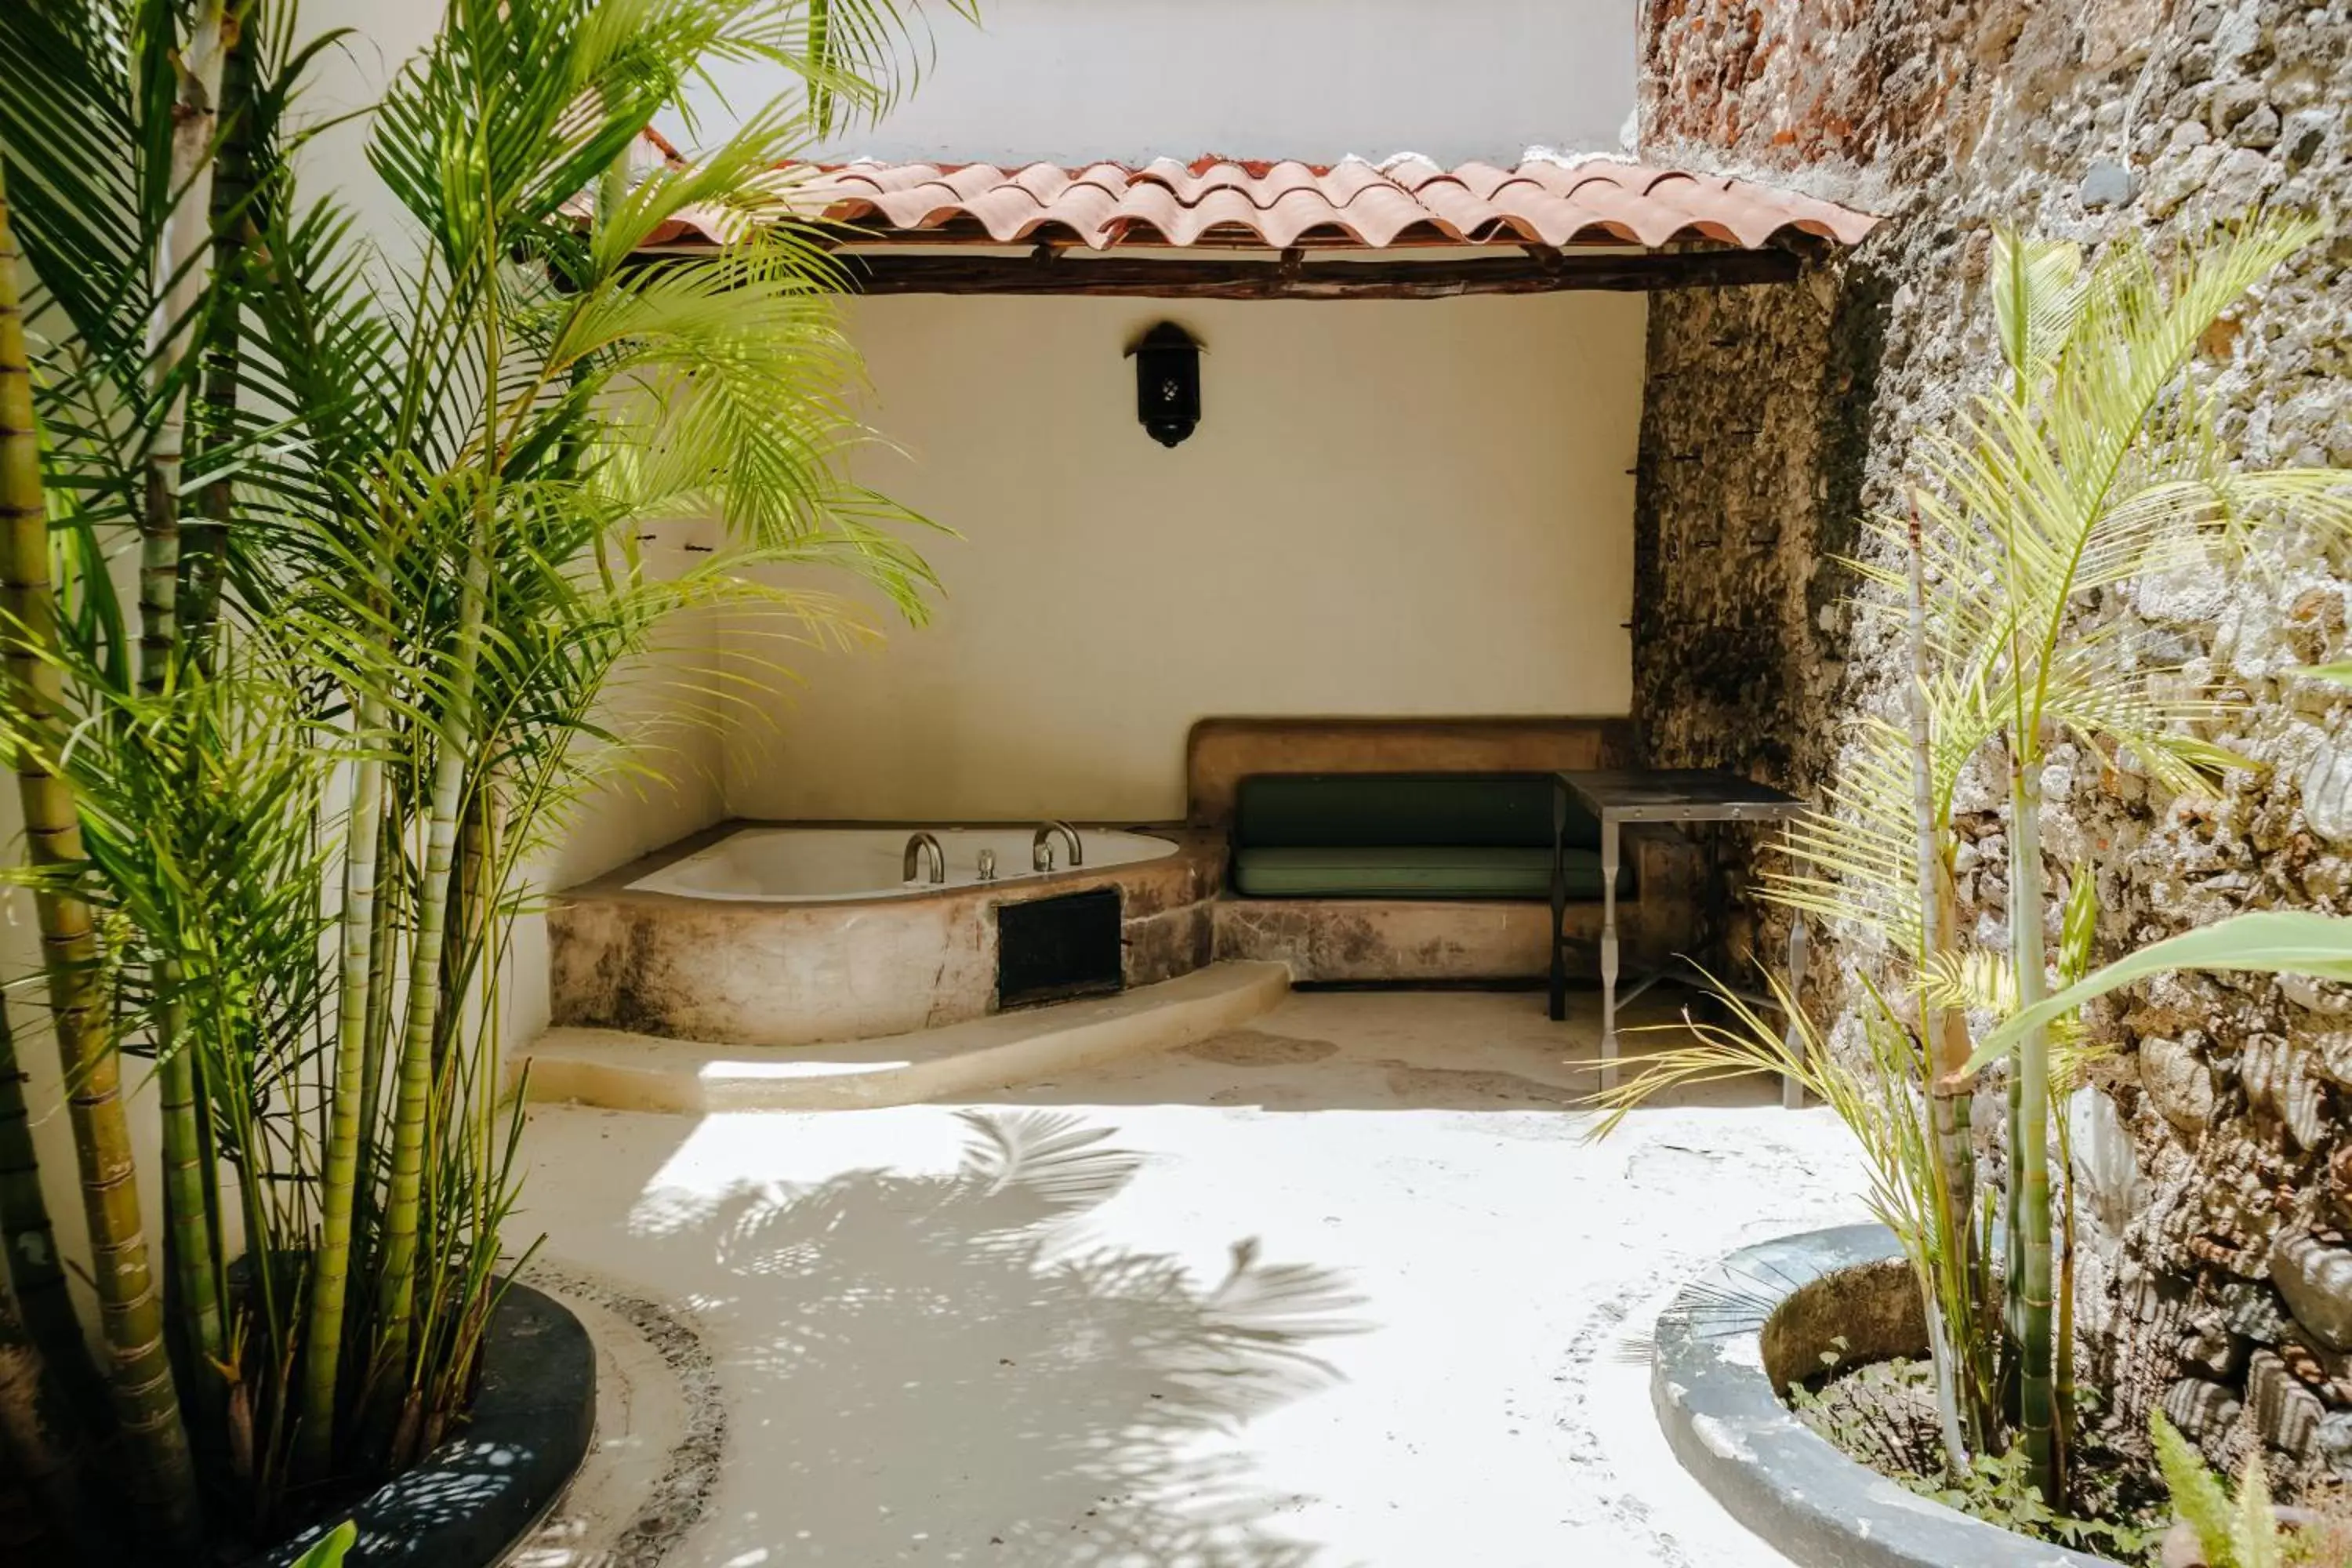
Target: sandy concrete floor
x: 1342, y: 1287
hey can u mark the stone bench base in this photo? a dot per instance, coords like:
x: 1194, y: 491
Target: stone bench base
x: 1412, y: 942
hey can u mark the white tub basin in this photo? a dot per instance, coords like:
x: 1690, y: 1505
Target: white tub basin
x: 818, y: 865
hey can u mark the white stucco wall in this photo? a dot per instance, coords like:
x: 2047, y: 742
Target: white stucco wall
x: 1074, y: 81
x: 1389, y: 509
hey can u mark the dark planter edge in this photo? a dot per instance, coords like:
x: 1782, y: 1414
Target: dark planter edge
x: 1777, y: 1476
x: 470, y: 1501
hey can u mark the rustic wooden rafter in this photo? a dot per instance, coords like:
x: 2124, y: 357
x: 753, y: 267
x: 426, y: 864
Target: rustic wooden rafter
x: 1045, y: 271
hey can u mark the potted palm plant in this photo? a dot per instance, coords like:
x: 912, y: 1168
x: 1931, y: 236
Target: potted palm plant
x: 316, y: 556
x: 2094, y: 461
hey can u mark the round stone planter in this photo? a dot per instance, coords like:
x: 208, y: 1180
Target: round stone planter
x: 470, y: 1500
x: 1759, y: 1320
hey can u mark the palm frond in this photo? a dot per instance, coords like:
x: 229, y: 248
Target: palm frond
x: 2038, y: 290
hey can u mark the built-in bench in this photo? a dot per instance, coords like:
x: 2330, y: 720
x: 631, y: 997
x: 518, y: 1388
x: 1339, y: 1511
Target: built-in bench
x: 1411, y: 836
x: 1418, y: 850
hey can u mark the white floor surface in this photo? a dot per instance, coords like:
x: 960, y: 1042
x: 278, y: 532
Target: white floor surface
x: 1344, y: 1288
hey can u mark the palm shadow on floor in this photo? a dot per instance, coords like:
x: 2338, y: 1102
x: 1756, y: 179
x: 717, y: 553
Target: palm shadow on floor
x: 1405, y: 1049
x: 940, y: 1368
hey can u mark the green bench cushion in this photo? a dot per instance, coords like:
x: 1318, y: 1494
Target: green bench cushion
x: 1367, y: 810
x: 1412, y: 871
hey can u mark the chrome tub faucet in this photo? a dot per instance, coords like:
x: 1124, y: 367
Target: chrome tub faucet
x: 1041, y: 844
x: 918, y: 846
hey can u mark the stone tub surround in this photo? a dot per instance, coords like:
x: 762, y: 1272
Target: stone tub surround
x: 621, y: 1071
x: 752, y: 974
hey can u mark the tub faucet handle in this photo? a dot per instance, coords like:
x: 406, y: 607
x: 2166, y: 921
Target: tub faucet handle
x: 988, y: 864
x: 923, y: 848
x: 1041, y: 854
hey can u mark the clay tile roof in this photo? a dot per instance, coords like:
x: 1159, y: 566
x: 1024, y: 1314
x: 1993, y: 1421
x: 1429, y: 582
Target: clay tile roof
x: 1410, y: 199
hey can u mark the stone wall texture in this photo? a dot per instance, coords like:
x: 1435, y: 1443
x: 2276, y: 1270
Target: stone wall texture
x: 2214, y: 1156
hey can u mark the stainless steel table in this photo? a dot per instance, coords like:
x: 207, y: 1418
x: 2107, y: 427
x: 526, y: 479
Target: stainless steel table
x: 1617, y: 797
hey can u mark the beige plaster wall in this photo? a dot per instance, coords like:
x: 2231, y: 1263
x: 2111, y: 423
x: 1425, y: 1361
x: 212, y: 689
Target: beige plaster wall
x: 669, y: 782
x: 1400, y: 508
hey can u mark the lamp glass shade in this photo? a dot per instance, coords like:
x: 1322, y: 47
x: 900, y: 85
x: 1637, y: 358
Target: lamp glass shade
x: 1167, y: 384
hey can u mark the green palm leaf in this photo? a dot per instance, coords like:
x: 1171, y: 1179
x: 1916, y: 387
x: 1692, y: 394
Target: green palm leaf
x: 2282, y: 941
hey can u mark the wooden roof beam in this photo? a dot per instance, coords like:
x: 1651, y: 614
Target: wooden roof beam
x: 1290, y: 278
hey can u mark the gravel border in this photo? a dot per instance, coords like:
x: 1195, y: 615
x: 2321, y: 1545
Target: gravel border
x: 680, y: 1496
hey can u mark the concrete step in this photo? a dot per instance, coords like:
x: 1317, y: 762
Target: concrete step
x: 622, y: 1072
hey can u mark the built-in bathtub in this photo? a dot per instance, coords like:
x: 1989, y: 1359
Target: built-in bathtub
x: 788, y: 934
x: 833, y: 865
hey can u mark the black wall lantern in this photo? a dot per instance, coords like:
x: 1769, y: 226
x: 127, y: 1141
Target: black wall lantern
x: 1167, y: 383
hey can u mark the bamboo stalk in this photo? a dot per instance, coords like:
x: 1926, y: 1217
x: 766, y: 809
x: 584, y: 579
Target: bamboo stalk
x: 183, y: 273
x: 396, y: 1280
x: 139, y: 1370
x: 189, y: 1203
x: 2064, y: 1416
x: 1944, y: 1032
x: 384, y: 920
x: 2030, y: 1137
x: 206, y: 544
x: 1947, y: 1087
x: 331, y: 1273
x: 183, y: 277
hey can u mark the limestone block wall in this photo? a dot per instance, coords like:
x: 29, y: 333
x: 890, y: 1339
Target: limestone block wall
x: 2216, y: 1164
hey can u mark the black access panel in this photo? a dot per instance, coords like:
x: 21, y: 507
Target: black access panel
x: 1048, y: 950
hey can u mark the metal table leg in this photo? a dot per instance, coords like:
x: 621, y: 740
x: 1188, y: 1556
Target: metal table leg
x: 1792, y: 1093
x: 1608, y: 951
x: 1558, y: 1002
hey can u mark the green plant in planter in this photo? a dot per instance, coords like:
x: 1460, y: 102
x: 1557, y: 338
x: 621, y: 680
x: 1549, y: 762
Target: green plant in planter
x: 2094, y: 460
x: 332, y: 1548
x: 2240, y: 1532
x: 315, y: 560
x: 2267, y: 942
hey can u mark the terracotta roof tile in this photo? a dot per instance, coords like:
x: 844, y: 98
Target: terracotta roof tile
x: 1275, y: 203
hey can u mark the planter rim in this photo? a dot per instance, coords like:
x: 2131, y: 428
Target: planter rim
x: 468, y: 1502
x: 1777, y: 1476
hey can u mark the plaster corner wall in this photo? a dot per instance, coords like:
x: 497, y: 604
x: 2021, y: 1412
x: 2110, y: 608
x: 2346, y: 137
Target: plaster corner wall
x: 671, y: 783
x: 1389, y: 509
x: 2206, y: 1153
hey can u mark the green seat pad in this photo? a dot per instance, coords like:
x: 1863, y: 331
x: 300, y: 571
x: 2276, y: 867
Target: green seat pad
x: 1414, y: 872
x: 1346, y: 810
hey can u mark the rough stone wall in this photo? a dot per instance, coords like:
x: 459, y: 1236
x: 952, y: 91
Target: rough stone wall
x: 1729, y: 520
x: 2216, y: 1162
x: 1754, y: 421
